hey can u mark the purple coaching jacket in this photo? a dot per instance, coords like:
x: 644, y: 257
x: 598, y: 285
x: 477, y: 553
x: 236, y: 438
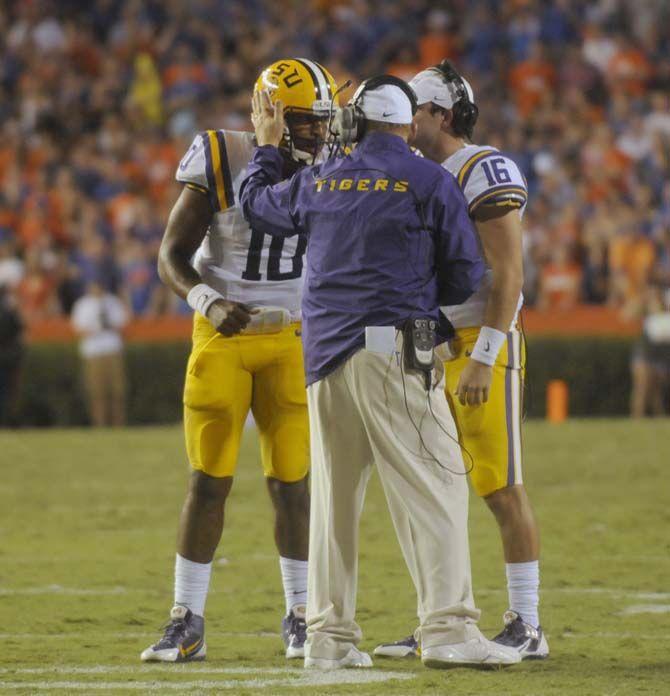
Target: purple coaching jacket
x: 388, y: 239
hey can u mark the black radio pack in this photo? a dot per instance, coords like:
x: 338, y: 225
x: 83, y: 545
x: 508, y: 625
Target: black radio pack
x: 419, y: 347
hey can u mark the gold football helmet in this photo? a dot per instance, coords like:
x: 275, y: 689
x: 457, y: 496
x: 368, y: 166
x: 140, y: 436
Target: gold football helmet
x: 306, y: 89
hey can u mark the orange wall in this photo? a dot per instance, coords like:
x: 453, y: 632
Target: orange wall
x: 582, y: 321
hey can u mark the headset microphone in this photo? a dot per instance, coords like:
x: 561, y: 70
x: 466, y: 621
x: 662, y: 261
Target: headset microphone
x: 332, y: 136
x: 346, y: 84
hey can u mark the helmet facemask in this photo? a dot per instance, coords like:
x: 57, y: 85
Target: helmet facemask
x: 304, y: 134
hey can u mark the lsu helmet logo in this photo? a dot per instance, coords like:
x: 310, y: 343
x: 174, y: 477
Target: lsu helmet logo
x: 301, y: 84
x: 306, y: 89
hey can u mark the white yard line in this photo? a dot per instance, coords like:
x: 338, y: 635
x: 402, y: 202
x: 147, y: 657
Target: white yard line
x: 60, y: 590
x: 652, y: 608
x: 138, y: 669
x: 301, y: 679
x: 628, y: 635
x: 605, y: 591
x: 645, y: 609
x: 118, y: 590
x: 132, y: 634
x: 274, y: 636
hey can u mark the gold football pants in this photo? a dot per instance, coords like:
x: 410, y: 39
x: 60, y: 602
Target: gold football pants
x: 228, y: 376
x: 491, y: 432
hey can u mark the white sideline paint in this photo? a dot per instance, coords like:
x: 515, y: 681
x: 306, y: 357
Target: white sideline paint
x: 137, y: 669
x: 615, y: 636
x: 104, y: 591
x: 230, y: 634
x: 645, y: 609
x: 301, y: 679
x: 58, y: 589
x: 131, y: 634
x: 605, y: 591
x: 118, y: 590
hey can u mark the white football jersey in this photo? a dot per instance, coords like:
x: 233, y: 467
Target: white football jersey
x: 486, y: 177
x: 242, y: 264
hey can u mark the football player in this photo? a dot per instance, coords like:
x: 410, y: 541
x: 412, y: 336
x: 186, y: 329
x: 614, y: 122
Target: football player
x: 484, y: 379
x: 245, y: 288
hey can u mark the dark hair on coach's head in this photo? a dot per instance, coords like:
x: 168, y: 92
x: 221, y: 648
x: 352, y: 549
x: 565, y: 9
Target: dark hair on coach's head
x: 464, y: 112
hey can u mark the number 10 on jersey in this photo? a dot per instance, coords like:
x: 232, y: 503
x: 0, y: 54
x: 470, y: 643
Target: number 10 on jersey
x: 276, y: 248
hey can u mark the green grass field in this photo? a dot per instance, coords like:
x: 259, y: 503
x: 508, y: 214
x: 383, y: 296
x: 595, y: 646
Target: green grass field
x: 87, y: 529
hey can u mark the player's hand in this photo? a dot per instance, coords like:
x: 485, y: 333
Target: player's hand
x: 229, y: 318
x: 474, y: 383
x: 268, y: 118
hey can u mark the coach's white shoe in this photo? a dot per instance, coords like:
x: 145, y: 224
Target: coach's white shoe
x: 474, y: 652
x: 354, y: 658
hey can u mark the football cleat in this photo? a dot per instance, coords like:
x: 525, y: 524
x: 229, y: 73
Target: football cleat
x: 407, y: 647
x: 354, y: 658
x: 476, y: 652
x: 294, y: 633
x: 530, y: 642
x: 183, y: 640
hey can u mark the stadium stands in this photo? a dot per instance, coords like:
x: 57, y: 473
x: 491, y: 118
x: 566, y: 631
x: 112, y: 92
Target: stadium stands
x: 100, y: 99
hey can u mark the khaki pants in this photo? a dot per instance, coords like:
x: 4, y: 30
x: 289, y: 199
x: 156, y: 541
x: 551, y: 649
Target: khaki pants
x: 105, y: 382
x: 358, y: 416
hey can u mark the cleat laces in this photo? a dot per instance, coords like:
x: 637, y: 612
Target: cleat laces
x: 173, y: 632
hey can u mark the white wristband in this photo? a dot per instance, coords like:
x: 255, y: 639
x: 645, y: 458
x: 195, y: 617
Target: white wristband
x: 488, y: 345
x: 201, y: 297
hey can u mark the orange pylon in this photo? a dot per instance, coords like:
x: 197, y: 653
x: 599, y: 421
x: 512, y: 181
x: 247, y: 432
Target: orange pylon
x: 557, y: 401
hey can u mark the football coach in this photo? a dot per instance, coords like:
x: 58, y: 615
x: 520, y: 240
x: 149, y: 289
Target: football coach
x: 388, y: 241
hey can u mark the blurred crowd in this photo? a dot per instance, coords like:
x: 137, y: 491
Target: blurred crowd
x: 100, y: 100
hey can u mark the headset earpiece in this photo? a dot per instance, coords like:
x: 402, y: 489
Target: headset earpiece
x: 349, y: 124
x: 464, y: 111
x: 465, y: 117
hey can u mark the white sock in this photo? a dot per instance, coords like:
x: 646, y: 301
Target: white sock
x: 294, y: 579
x: 523, y: 583
x: 191, y: 583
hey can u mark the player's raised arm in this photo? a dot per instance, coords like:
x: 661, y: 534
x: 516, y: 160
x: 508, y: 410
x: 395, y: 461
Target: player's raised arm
x: 186, y: 228
x: 265, y: 201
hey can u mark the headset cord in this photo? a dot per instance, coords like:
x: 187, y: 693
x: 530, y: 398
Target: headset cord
x: 397, y: 357
x: 464, y: 449
x: 439, y: 425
